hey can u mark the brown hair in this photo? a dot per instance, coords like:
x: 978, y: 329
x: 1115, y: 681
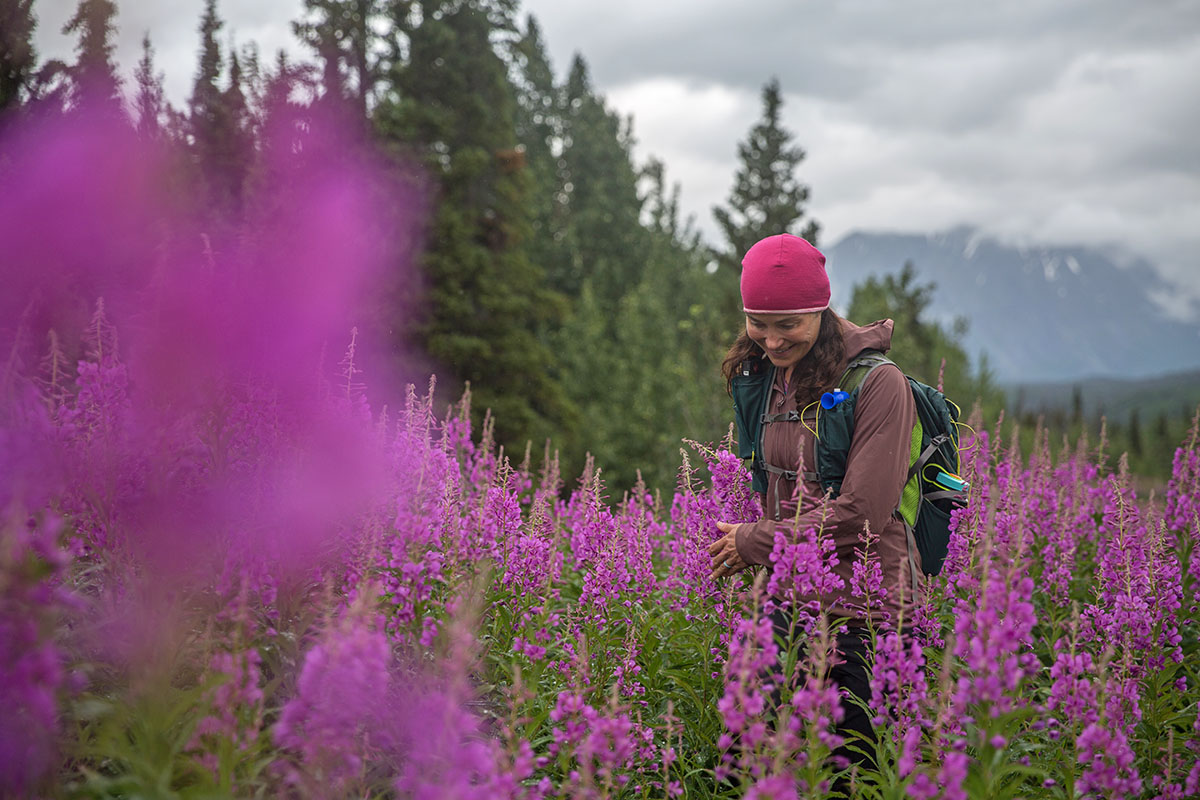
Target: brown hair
x: 816, y: 373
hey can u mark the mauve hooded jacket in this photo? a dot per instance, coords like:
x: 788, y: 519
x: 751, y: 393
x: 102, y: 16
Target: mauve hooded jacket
x: 876, y: 471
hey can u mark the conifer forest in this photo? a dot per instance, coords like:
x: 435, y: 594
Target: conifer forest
x: 363, y: 435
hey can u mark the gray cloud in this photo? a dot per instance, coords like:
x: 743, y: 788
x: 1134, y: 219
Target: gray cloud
x: 1072, y: 122
x: 838, y: 49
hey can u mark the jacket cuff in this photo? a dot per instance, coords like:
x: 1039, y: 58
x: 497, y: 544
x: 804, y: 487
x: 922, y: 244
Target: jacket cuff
x: 741, y: 541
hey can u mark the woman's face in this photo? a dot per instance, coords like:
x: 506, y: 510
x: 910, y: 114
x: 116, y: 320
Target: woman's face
x: 786, y: 338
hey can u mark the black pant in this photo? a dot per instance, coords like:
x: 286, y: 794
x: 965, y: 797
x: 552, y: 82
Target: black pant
x: 852, y: 676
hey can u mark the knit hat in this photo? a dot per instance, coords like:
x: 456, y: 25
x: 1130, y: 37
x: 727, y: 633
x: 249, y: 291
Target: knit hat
x: 784, y: 274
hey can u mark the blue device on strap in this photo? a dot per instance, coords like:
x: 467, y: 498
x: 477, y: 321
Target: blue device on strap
x: 831, y: 399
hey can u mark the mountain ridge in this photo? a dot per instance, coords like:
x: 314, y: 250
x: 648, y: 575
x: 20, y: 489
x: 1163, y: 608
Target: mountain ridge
x: 1040, y: 313
x: 1176, y: 393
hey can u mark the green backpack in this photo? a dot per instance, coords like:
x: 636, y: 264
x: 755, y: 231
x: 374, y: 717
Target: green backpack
x: 933, y: 489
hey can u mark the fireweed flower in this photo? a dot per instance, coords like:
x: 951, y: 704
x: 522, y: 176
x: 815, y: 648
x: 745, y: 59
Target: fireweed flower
x: 641, y: 532
x: 1082, y: 700
x: 500, y: 524
x: 817, y: 706
x: 628, y: 669
x: 1108, y: 763
x: 612, y: 551
x: 482, y: 468
x: 33, y: 669
x: 340, y: 715
x: 103, y: 468
x: 427, y: 490
x: 440, y: 748
x: 958, y: 571
x: 444, y: 752
x: 1038, y: 500
x: 693, y: 516
x: 591, y: 524
x: 1007, y: 533
x: 969, y: 523
x: 1073, y: 693
x: 802, y: 571
x: 235, y: 711
x: 1140, y: 592
x: 731, y: 488
x: 899, y: 692
x: 751, y: 676
x: 1122, y: 613
x: 992, y: 640
x: 1191, y: 784
x: 600, y: 744
x: 926, y: 624
x: 953, y: 774
x: 411, y: 583
x: 804, y: 736
x: 867, y: 592
x: 774, y: 787
x: 535, y: 562
x: 1183, y: 489
x: 605, y: 582
x: 1071, y: 529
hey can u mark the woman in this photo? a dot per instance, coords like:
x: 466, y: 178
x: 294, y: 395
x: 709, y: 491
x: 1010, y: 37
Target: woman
x: 803, y: 348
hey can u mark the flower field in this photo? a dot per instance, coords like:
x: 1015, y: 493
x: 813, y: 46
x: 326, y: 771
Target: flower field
x: 274, y: 595
x: 227, y: 569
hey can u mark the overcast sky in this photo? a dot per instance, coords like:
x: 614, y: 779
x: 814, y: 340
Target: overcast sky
x: 1046, y: 121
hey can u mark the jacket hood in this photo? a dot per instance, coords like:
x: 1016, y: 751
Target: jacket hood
x: 876, y: 336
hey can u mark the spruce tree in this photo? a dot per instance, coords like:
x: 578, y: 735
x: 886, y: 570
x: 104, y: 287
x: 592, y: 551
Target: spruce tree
x: 17, y: 54
x: 538, y: 121
x: 204, y: 109
x: 94, y: 80
x: 600, y: 193
x: 1135, y: 434
x: 148, y: 102
x: 640, y: 348
x: 670, y: 336
x: 766, y: 198
x: 645, y: 372
x: 236, y: 153
x: 1162, y: 432
x: 219, y: 124
x: 487, y: 302
x: 342, y: 33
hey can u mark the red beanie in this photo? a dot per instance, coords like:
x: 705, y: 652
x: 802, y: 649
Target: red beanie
x: 784, y: 274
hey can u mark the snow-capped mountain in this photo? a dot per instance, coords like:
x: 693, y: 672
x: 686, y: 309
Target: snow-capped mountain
x: 1040, y: 313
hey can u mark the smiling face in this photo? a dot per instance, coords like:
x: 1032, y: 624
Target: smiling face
x: 785, y: 338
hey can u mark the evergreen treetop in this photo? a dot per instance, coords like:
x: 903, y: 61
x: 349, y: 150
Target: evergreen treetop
x: 94, y: 76
x: 767, y: 198
x: 345, y: 34
x: 149, y: 101
x: 205, y: 91
x: 17, y: 55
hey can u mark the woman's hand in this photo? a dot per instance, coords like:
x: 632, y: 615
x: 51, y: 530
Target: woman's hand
x: 725, y: 558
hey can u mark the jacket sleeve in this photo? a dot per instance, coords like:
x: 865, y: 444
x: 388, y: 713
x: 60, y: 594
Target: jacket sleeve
x: 876, y: 471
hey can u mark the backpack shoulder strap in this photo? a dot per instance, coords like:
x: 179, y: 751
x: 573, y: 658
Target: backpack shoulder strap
x: 751, y: 388
x: 860, y: 367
